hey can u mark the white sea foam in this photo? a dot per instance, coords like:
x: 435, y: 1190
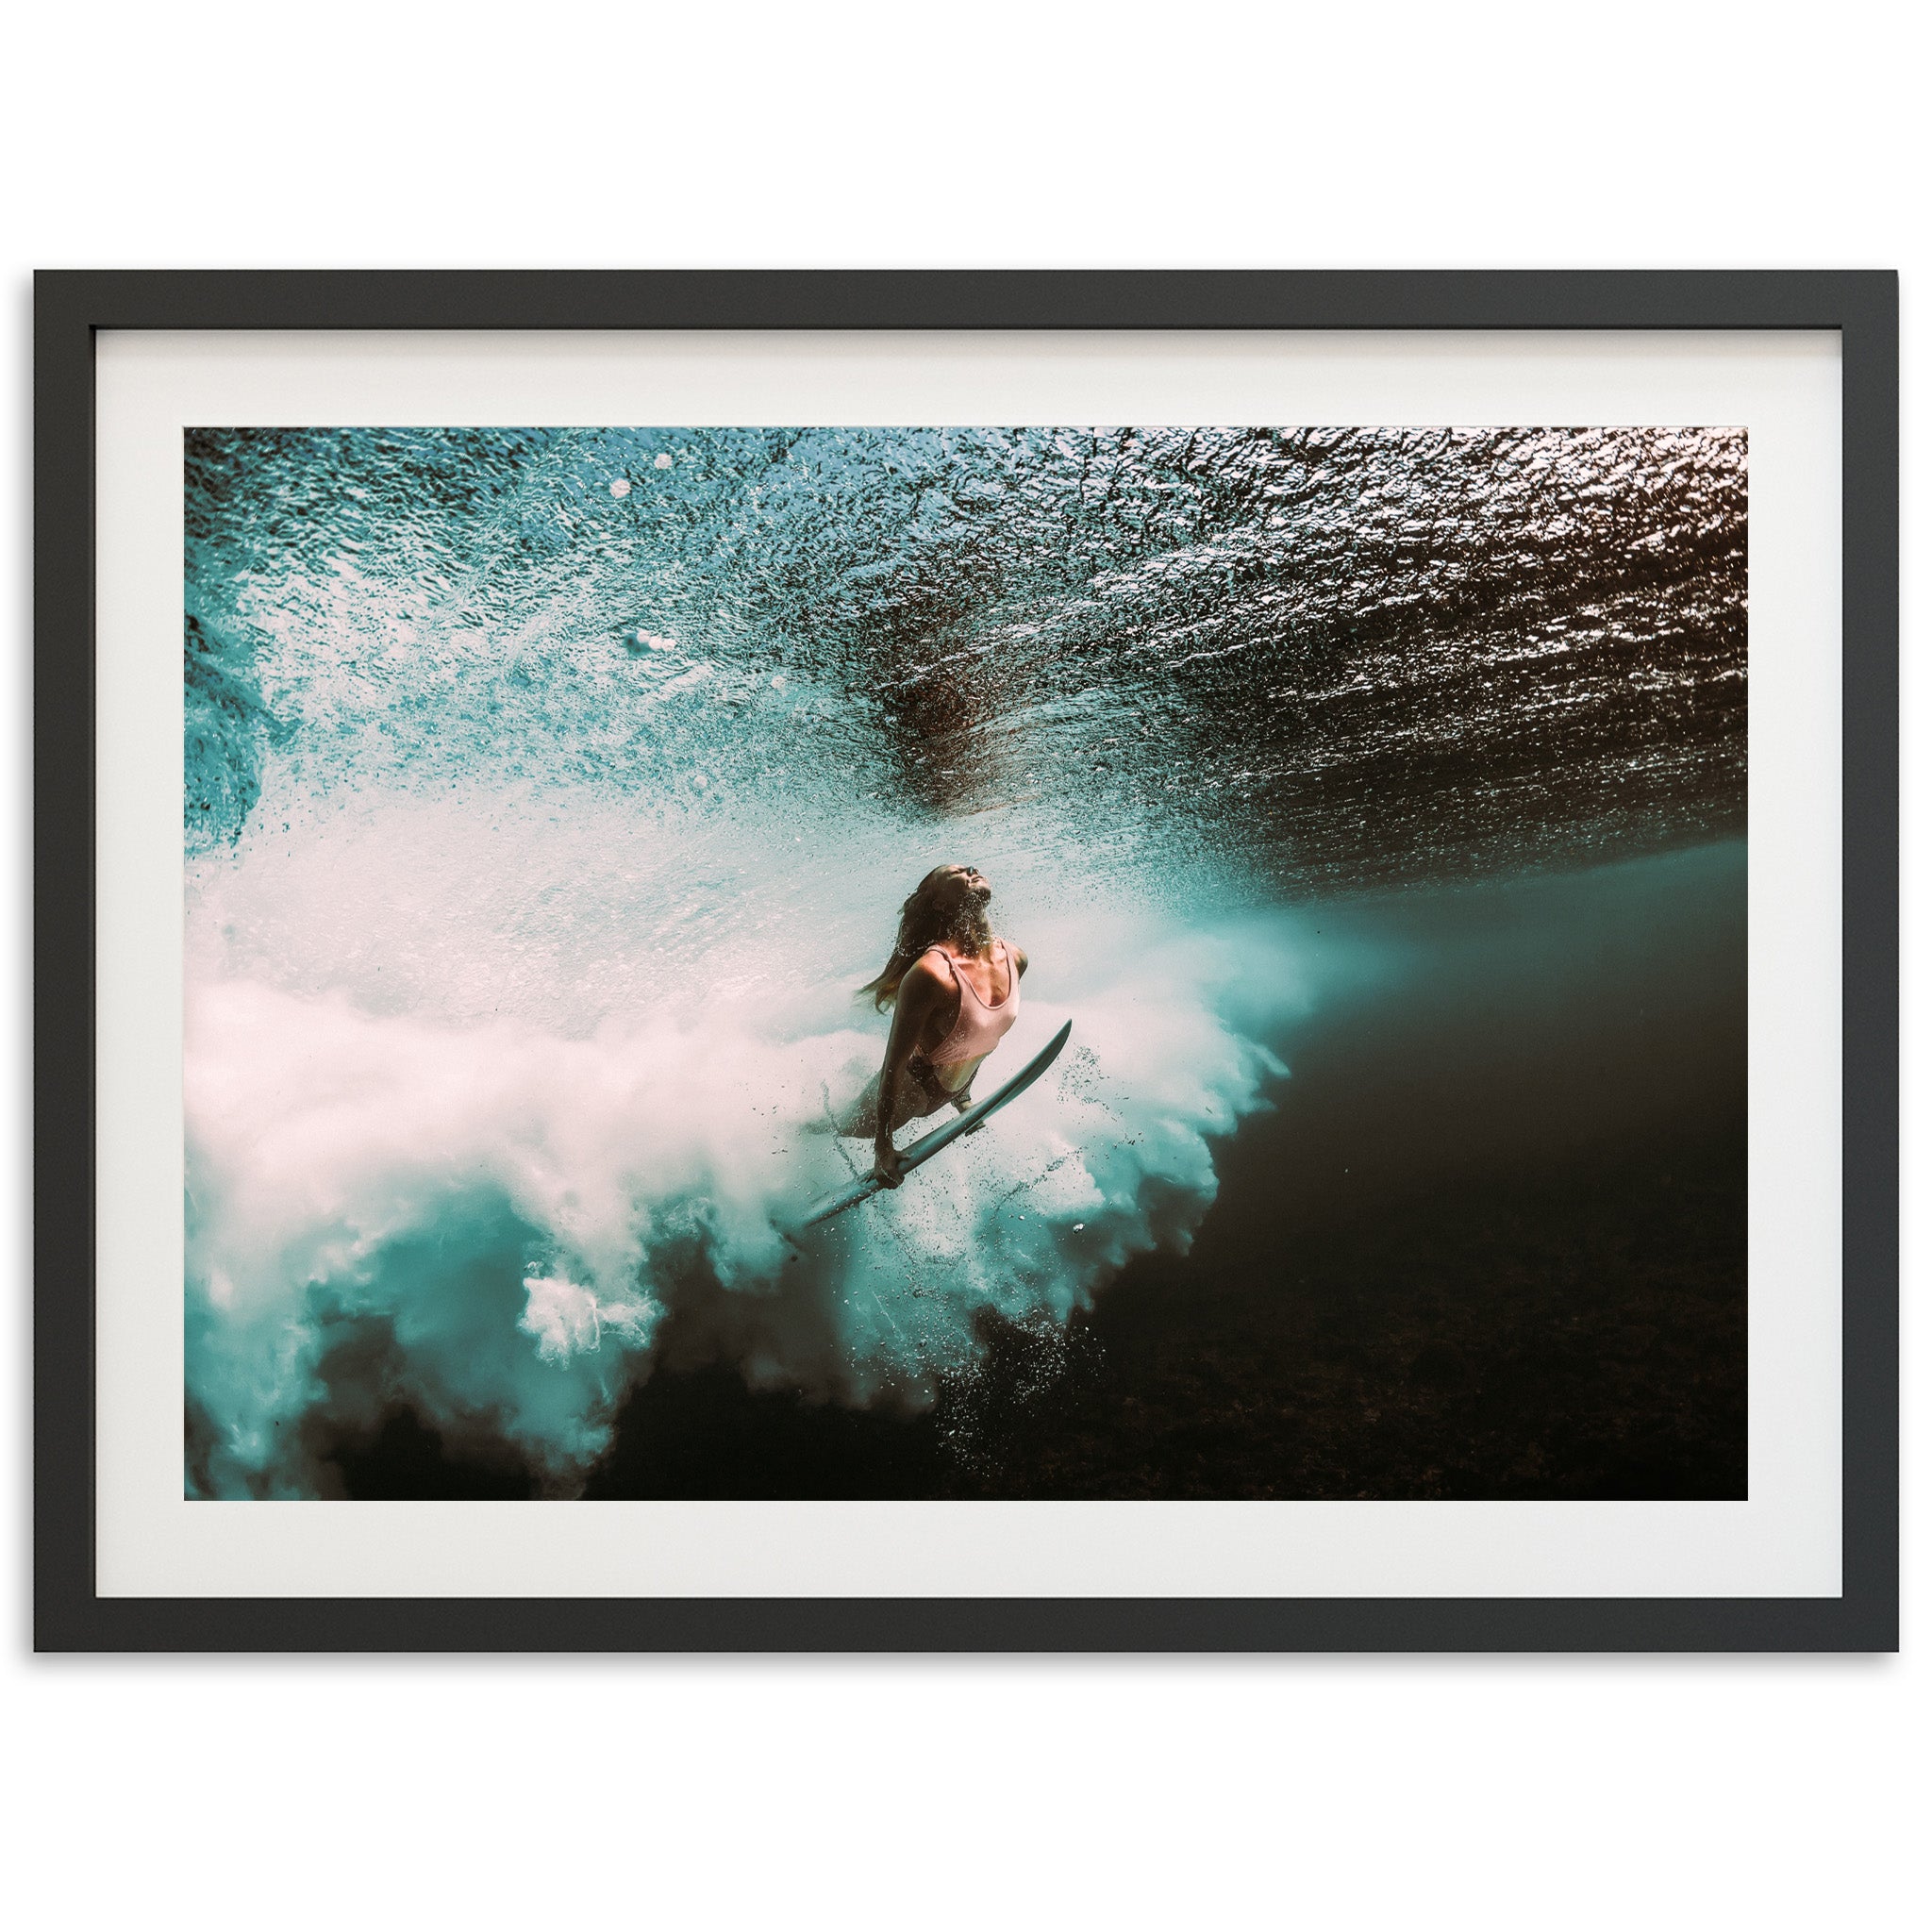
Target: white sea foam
x: 496, y: 1207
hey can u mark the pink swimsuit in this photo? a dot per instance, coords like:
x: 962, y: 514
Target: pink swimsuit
x: 980, y: 1027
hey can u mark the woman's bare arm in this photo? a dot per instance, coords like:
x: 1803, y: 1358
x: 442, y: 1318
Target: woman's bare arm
x: 920, y: 995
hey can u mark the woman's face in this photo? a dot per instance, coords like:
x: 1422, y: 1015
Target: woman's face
x: 967, y: 881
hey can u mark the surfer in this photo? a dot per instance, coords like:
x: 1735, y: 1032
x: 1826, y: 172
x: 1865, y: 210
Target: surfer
x: 954, y: 987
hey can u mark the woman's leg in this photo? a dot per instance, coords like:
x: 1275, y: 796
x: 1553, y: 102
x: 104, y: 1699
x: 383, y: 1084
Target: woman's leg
x: 915, y: 1099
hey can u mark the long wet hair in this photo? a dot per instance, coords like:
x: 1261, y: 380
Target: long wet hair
x: 926, y: 920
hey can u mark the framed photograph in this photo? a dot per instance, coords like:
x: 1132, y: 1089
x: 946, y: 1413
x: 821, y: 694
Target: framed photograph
x: 966, y: 961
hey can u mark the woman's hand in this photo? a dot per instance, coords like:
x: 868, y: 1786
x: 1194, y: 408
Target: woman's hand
x: 886, y: 1168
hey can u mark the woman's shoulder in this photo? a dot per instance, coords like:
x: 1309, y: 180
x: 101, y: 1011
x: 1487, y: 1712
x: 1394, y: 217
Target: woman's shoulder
x: 933, y: 967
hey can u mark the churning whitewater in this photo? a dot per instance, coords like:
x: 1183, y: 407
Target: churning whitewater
x: 488, y: 1216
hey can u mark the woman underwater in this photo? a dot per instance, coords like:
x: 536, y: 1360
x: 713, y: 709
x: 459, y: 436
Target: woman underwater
x: 954, y: 987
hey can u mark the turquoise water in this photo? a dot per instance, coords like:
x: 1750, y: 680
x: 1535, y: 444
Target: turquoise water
x: 547, y: 793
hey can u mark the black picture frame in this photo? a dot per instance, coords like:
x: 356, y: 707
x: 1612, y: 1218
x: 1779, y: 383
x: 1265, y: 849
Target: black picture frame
x: 72, y: 306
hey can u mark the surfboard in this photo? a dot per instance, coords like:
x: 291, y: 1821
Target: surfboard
x: 923, y: 1149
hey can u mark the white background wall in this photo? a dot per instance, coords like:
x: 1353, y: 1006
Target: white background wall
x: 1546, y: 1793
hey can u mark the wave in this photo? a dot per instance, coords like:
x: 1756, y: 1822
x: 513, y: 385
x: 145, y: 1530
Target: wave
x: 496, y: 1221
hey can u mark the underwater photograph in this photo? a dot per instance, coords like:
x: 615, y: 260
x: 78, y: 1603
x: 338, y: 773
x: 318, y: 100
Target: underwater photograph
x: 965, y: 962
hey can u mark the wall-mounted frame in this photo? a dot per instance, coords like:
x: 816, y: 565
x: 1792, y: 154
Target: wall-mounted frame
x: 127, y: 1558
